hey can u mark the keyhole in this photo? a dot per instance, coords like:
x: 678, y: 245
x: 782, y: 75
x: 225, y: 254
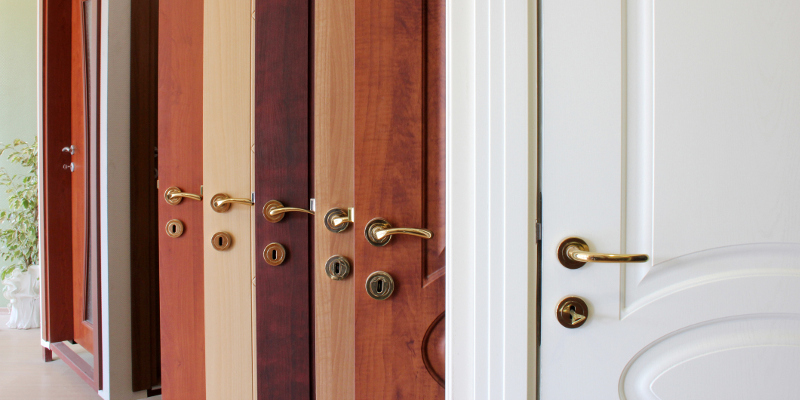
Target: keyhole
x: 174, y: 228
x: 380, y: 286
x: 274, y: 254
x: 220, y: 241
x: 336, y: 268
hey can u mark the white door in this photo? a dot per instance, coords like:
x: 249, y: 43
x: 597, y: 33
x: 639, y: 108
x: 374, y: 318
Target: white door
x: 672, y: 128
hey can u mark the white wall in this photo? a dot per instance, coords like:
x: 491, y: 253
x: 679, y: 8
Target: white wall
x: 18, y: 81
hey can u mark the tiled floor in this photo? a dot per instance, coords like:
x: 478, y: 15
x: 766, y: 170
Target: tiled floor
x: 25, y: 376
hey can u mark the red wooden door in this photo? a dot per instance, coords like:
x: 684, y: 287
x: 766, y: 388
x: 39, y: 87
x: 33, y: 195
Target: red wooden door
x: 283, y: 173
x: 180, y: 165
x: 84, y: 151
x: 400, y: 177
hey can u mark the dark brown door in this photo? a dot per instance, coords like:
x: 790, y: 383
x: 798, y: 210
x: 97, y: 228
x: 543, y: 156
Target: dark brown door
x: 180, y: 165
x: 400, y: 178
x: 282, y: 173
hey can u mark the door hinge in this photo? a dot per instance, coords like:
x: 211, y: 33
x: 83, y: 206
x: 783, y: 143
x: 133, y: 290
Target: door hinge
x: 538, y: 232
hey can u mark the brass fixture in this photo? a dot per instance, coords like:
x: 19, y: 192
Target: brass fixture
x: 379, y: 232
x: 337, y: 219
x: 380, y: 285
x: 274, y: 210
x: 274, y: 254
x: 337, y: 268
x: 572, y: 312
x: 221, y: 202
x: 222, y: 241
x: 573, y: 253
x: 174, y: 228
x: 175, y: 195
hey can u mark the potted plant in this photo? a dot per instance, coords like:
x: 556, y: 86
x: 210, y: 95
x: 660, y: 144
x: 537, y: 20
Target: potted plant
x: 19, y: 235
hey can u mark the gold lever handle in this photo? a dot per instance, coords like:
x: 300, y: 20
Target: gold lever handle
x: 379, y: 232
x: 573, y: 253
x: 175, y: 195
x: 274, y: 211
x: 337, y: 219
x: 221, y: 202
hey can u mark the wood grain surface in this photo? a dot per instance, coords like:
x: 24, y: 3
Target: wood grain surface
x: 399, y: 164
x: 334, y: 302
x: 180, y: 163
x: 56, y: 183
x: 282, y: 172
x: 227, y: 169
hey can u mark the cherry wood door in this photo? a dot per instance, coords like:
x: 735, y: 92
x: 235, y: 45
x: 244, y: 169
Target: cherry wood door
x: 83, y: 167
x: 400, y: 177
x: 283, y: 173
x: 180, y: 164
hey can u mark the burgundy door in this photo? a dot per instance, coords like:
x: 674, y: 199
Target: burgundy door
x: 283, y: 173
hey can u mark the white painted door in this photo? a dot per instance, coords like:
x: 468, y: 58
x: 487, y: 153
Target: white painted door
x: 672, y: 128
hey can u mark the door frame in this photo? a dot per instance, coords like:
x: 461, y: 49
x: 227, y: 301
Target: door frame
x: 492, y: 135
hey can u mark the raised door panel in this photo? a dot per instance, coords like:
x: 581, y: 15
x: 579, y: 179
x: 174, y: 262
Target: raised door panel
x: 180, y: 164
x: 226, y: 170
x: 682, y: 134
x: 283, y: 173
x: 400, y: 176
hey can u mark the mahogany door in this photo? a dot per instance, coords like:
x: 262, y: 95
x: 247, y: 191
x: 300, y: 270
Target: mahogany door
x: 283, y: 174
x: 180, y: 165
x: 400, y: 178
x: 380, y: 148
x: 84, y: 157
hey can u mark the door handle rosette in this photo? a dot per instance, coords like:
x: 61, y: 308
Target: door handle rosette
x: 379, y: 232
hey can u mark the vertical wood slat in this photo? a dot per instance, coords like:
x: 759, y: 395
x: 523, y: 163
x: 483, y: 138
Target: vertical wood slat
x: 399, y: 148
x: 227, y: 169
x: 180, y: 163
x: 333, y: 185
x: 282, y: 146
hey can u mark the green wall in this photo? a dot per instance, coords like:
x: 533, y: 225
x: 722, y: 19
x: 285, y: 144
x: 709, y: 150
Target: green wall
x: 18, y: 42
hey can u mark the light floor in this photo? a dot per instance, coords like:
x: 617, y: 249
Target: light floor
x: 25, y: 376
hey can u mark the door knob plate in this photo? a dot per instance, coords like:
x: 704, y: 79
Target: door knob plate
x: 380, y: 285
x: 337, y: 268
x: 222, y: 241
x: 572, y: 312
x: 174, y: 228
x: 274, y: 254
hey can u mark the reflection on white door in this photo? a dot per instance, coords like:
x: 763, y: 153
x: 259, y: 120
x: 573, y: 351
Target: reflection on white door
x: 672, y: 128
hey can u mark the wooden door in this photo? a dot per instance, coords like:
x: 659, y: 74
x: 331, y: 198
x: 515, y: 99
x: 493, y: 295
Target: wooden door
x: 180, y: 165
x: 227, y: 171
x: 670, y: 129
x: 84, y: 153
x: 283, y: 173
x: 380, y: 149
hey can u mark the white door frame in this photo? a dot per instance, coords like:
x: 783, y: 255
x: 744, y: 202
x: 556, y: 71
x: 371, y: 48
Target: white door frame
x: 491, y: 199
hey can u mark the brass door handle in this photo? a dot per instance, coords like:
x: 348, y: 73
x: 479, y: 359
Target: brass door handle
x: 174, y: 195
x: 221, y: 202
x: 274, y: 211
x: 379, y: 232
x: 337, y: 220
x: 573, y: 253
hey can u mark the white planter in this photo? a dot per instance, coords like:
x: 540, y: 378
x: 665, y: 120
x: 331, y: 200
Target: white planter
x: 22, y: 291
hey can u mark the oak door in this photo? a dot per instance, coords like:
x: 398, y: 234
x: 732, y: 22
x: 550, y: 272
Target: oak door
x: 670, y: 129
x: 180, y: 166
x: 379, y: 149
